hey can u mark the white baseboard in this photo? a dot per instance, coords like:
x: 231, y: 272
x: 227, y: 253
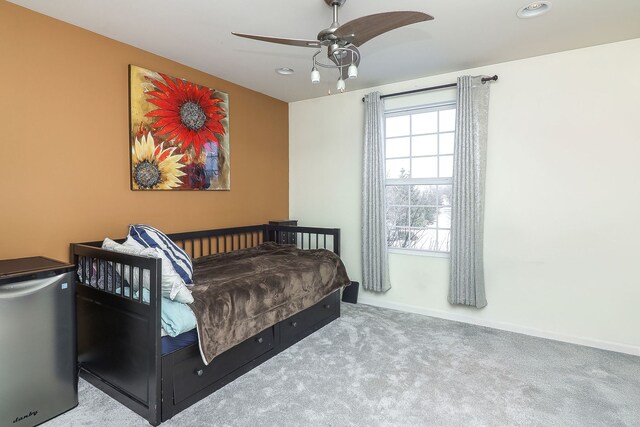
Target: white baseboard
x: 505, y: 326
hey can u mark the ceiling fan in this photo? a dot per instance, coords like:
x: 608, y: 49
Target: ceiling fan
x: 342, y: 41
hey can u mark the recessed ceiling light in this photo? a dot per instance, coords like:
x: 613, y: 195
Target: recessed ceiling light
x: 534, y: 9
x: 285, y: 71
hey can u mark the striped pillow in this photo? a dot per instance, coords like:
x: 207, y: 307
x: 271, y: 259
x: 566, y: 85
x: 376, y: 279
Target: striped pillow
x: 150, y: 237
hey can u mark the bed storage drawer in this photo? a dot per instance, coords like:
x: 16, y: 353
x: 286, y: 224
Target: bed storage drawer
x: 301, y: 323
x: 191, y: 375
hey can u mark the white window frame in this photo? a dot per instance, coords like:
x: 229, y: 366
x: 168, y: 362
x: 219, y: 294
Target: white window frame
x: 420, y: 181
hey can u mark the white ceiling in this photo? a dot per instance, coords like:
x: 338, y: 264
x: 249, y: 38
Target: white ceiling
x: 464, y: 34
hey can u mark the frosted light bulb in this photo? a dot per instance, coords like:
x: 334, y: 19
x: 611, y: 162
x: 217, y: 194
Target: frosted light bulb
x: 315, y: 76
x: 340, y: 86
x: 352, y: 71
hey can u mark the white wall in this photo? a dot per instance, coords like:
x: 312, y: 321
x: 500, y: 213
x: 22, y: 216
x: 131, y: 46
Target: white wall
x: 562, y: 224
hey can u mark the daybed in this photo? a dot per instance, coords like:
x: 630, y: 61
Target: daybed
x: 119, y: 338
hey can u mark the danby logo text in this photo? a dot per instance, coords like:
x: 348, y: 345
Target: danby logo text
x: 30, y: 414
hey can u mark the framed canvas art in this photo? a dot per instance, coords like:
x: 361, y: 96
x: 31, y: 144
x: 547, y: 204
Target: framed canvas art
x: 179, y: 133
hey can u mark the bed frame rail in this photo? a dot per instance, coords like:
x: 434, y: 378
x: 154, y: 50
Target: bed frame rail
x: 208, y: 242
x: 305, y: 237
x: 202, y: 243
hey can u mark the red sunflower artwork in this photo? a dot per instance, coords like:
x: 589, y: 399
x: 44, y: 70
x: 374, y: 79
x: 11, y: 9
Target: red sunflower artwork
x: 189, y: 119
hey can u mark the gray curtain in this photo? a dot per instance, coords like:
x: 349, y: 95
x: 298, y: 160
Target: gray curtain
x: 375, y: 263
x: 467, y: 217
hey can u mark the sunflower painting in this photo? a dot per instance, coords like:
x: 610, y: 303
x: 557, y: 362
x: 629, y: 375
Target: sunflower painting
x: 179, y: 133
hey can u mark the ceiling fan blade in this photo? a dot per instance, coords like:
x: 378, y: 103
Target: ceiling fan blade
x: 280, y: 40
x: 367, y: 27
x: 345, y: 70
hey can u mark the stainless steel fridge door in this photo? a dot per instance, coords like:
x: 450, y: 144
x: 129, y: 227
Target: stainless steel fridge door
x: 38, y: 376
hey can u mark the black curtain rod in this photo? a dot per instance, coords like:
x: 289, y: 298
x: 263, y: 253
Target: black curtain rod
x: 408, y: 92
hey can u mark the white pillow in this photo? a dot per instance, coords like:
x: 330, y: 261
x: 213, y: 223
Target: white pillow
x: 110, y: 245
x: 173, y: 286
x: 183, y: 294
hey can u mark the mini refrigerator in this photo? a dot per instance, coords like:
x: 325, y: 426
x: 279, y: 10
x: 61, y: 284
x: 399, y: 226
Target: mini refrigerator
x: 38, y: 376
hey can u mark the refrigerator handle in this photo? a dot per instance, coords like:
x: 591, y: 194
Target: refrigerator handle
x: 21, y: 289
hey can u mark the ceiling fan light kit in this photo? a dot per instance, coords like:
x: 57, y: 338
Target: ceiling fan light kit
x: 342, y: 41
x: 342, y: 58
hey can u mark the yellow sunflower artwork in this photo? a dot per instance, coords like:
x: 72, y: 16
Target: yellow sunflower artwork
x: 179, y: 133
x: 153, y: 166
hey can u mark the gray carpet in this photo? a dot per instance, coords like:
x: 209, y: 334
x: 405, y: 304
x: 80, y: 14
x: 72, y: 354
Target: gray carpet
x: 378, y: 367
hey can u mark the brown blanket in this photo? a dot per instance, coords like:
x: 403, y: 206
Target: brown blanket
x: 238, y: 294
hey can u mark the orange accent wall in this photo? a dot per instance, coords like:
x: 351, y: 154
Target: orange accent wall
x: 64, y: 144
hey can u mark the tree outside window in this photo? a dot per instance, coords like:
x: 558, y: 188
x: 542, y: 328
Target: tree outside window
x: 419, y: 164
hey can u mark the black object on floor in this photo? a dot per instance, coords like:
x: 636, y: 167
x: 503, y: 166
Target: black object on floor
x: 350, y: 293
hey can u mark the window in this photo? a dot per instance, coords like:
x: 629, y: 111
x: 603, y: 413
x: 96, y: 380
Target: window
x: 419, y: 169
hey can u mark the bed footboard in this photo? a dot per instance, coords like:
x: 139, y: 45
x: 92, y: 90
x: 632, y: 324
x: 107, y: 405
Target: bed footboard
x: 119, y: 346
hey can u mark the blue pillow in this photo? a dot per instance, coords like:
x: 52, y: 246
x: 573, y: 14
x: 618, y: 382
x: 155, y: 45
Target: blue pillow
x: 150, y: 237
x: 176, y: 317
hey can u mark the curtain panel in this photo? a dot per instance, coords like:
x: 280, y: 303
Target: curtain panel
x: 375, y: 262
x: 467, y: 217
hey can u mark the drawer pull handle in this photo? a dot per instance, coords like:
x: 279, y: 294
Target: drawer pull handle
x: 294, y: 324
x: 327, y: 306
x: 259, y: 340
x: 199, y: 372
